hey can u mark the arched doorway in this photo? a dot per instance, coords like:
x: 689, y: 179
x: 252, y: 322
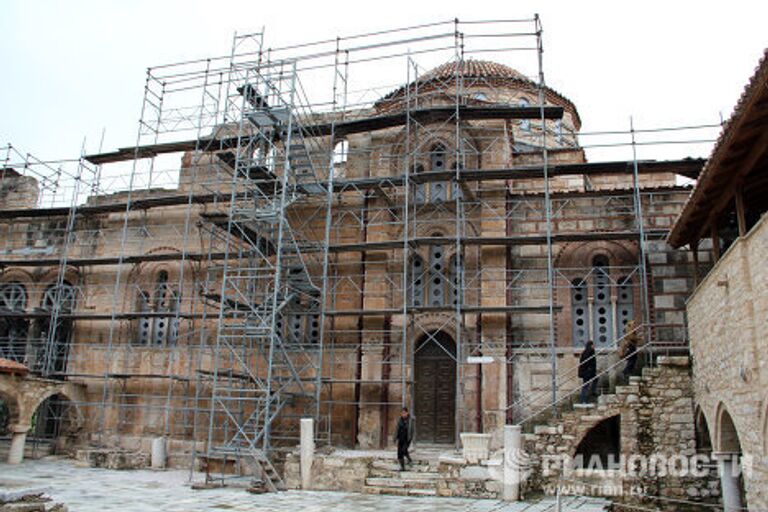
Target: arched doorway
x: 55, y: 425
x: 601, y: 446
x: 435, y: 388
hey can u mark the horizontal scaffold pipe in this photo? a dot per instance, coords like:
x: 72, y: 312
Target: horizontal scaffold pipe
x: 688, y: 167
x: 340, y: 129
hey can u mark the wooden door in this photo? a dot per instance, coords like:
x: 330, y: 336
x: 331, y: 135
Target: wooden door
x: 435, y: 396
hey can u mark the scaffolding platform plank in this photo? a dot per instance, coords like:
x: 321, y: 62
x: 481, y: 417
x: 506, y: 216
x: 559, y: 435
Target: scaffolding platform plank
x: 687, y: 167
x: 434, y: 114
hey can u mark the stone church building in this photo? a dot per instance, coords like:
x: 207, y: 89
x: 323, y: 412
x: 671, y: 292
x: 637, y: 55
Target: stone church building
x: 460, y: 257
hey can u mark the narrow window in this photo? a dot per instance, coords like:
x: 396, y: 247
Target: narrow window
x: 436, y: 276
x: 437, y: 161
x: 419, y: 189
x: 145, y: 322
x: 601, y: 297
x: 625, y: 303
x: 579, y: 312
x: 416, y: 295
x: 525, y: 124
x: 454, y: 284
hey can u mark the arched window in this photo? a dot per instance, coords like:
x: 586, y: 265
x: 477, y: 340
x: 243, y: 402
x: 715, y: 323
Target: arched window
x: 600, y: 307
x: 13, y: 330
x: 340, y: 152
x: 161, y: 326
x: 340, y: 155
x: 56, y: 329
x: 525, y: 124
x: 435, y: 284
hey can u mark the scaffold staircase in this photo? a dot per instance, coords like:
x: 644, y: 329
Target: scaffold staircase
x: 266, y: 280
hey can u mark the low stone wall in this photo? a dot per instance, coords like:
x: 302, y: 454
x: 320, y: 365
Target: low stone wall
x: 448, y: 475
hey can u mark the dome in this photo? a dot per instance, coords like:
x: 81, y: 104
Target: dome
x: 477, y: 69
x: 472, y: 68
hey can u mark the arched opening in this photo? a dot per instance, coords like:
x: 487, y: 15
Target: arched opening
x: 161, y: 326
x: 54, y: 426
x: 600, y: 447
x: 55, y: 330
x: 729, y: 459
x: 13, y: 329
x: 729, y: 437
x: 701, y: 430
x: 8, y: 414
x: 435, y: 388
x: 340, y: 152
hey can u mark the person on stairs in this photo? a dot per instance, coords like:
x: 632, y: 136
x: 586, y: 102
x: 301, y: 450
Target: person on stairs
x: 629, y: 350
x: 588, y: 372
x: 403, y: 437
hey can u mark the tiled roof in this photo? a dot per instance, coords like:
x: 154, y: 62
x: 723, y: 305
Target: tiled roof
x: 12, y: 367
x: 477, y: 69
x: 758, y: 84
x: 473, y: 68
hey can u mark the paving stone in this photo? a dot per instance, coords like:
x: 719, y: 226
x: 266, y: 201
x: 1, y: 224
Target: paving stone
x: 104, y: 490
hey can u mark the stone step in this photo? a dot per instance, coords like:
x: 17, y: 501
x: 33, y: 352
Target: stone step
x: 399, y: 491
x: 401, y: 483
x: 404, y: 475
x: 393, y: 465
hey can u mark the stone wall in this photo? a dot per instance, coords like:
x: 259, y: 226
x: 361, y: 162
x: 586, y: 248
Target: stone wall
x: 728, y: 324
x: 656, y: 418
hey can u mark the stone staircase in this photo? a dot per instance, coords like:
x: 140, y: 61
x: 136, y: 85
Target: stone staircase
x: 655, y: 415
x: 421, y: 478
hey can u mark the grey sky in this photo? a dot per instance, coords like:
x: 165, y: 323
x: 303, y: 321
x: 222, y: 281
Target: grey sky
x: 70, y: 68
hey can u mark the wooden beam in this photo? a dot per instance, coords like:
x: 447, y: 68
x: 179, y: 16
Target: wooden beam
x: 736, y: 180
x: 740, y: 217
x: 715, y: 242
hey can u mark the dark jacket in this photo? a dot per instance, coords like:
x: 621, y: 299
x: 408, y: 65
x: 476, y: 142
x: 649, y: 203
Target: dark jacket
x: 588, y: 364
x: 405, y: 430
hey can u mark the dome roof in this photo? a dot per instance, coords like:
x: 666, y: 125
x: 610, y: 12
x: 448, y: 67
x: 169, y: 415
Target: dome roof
x: 485, y: 69
x: 472, y: 68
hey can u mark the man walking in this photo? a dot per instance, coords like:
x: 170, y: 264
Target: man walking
x: 403, y: 437
x: 588, y: 372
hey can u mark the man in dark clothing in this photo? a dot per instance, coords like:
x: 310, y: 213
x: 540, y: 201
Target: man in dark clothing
x: 588, y: 372
x: 403, y: 437
x: 630, y: 349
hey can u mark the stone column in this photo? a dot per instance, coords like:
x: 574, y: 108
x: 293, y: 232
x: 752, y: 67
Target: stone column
x: 370, y: 417
x: 729, y: 468
x: 18, y: 440
x: 513, y: 470
x: 494, y: 394
x: 307, y: 450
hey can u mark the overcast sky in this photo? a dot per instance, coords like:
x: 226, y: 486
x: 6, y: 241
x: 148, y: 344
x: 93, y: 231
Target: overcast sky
x: 71, y: 68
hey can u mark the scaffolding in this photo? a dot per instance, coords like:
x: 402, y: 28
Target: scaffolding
x: 286, y: 269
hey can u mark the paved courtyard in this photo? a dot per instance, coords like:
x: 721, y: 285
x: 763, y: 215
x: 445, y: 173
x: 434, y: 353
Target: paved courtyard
x: 89, y: 489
